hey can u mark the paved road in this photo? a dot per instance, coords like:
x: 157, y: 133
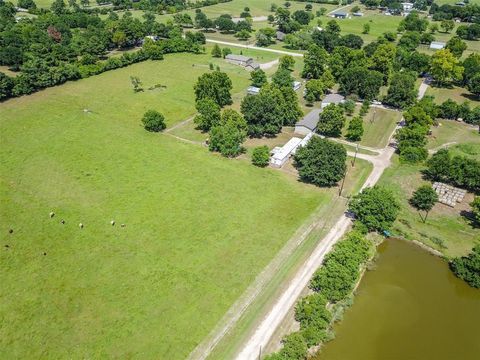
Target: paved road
x: 287, y: 300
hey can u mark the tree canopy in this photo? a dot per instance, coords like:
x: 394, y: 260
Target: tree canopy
x: 216, y: 86
x: 321, y: 162
x: 375, y: 207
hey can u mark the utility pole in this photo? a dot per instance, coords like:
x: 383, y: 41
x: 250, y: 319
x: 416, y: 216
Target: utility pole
x: 355, y: 157
x: 343, y: 182
x: 374, y: 113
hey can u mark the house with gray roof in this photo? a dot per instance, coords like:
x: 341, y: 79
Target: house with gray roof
x: 332, y: 99
x: 244, y: 61
x: 340, y: 15
x: 309, y: 123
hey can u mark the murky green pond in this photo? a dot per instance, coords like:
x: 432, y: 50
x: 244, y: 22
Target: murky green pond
x: 411, y: 307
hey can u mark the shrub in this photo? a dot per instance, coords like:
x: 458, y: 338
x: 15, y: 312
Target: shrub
x: 468, y: 267
x: 153, y: 121
x: 261, y: 156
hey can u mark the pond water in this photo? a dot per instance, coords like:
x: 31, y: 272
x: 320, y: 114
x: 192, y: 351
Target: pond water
x: 410, y: 307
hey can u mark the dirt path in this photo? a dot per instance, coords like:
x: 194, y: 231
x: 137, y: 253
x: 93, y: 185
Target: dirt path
x: 254, y: 47
x: 268, y: 65
x: 263, y: 333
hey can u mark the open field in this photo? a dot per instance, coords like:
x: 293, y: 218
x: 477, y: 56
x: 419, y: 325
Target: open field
x: 455, y: 93
x: 455, y: 132
x: 378, y: 125
x: 444, y: 223
x: 446, y: 228
x: 157, y: 286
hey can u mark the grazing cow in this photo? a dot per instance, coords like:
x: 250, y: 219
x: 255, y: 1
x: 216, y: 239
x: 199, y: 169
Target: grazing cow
x: 112, y: 222
x: 52, y: 214
x: 62, y: 221
x: 123, y: 225
x: 80, y: 226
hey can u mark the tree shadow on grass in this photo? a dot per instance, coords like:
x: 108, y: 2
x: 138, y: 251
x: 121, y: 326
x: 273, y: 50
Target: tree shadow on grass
x: 468, y: 215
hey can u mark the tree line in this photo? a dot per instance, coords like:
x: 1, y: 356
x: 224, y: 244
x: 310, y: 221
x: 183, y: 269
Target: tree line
x: 67, y: 44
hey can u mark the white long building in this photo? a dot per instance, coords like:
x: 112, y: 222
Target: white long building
x: 280, y: 155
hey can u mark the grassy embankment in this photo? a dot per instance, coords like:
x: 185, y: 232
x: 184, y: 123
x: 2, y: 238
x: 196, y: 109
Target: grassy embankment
x: 157, y: 286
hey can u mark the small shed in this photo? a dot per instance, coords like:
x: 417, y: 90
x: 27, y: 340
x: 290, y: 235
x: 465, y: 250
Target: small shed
x: 332, y: 99
x: 358, y: 14
x: 253, y: 90
x: 407, y: 6
x: 340, y: 15
x: 280, y: 36
x: 297, y: 85
x: 309, y: 123
x: 437, y: 45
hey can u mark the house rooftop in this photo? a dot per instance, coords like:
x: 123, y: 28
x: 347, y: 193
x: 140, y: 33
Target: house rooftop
x: 333, y: 98
x: 238, y: 57
x: 340, y: 13
x: 310, y: 120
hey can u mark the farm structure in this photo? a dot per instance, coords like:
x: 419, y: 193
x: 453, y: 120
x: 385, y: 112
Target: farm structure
x: 280, y: 155
x: 244, y: 61
x: 309, y: 123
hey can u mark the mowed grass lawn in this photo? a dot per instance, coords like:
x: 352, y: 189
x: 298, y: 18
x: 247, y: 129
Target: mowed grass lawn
x: 378, y: 126
x: 198, y: 227
x: 444, y: 225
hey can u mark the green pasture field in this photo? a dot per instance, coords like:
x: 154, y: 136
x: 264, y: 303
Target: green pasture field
x: 452, y: 132
x: 455, y: 93
x: 156, y: 287
x: 378, y: 126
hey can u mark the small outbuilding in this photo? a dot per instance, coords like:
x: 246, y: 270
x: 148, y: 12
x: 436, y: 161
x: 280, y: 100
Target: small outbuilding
x: 437, y: 45
x: 297, y: 85
x: 332, y: 99
x: 407, y: 7
x: 253, y: 90
x: 358, y: 14
x: 340, y: 15
x: 280, y: 155
x: 280, y: 36
x: 309, y: 123
x: 244, y: 61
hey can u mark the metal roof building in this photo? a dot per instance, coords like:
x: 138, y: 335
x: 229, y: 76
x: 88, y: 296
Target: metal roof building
x: 309, y: 123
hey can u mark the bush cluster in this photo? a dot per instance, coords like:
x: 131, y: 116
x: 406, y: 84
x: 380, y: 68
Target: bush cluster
x: 468, y: 267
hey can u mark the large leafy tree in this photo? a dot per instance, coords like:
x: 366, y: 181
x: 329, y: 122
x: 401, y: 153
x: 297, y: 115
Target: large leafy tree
x: 331, y: 121
x: 361, y: 81
x: 375, y: 207
x: 445, y: 67
x: 208, y: 114
x: 467, y: 267
x: 382, y: 60
x: 216, y: 86
x: 258, y: 77
x: 402, y: 92
x: 456, y: 46
x: 355, y: 129
x: 321, y: 162
x: 314, y: 63
x: 228, y: 135
x: 264, y: 112
x: 423, y: 199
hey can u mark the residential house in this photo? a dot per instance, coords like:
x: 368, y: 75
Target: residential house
x: 309, y: 123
